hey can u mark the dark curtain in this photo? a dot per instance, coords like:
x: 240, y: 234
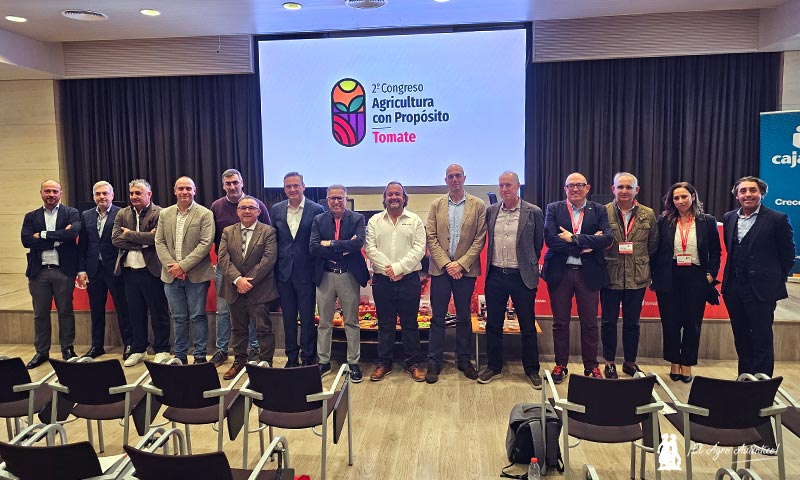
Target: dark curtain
x: 663, y: 119
x: 160, y: 128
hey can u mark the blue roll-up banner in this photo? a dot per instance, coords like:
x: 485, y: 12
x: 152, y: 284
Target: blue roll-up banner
x: 780, y: 168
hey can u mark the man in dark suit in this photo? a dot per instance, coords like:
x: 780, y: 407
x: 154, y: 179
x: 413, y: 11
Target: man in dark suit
x: 49, y: 232
x: 97, y: 257
x: 337, y: 237
x: 576, y: 232
x: 292, y: 218
x: 247, y: 254
x: 761, y: 251
x: 515, y: 234
x: 134, y: 234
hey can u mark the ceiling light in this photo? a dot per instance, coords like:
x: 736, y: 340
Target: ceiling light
x: 149, y: 12
x: 366, y: 4
x: 441, y: 1
x: 292, y: 6
x: 12, y: 18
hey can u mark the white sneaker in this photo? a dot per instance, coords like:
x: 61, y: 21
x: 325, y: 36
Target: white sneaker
x: 162, y: 357
x: 135, y: 359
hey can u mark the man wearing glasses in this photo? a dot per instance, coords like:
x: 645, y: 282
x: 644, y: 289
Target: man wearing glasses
x: 247, y: 255
x: 576, y: 232
x: 225, y: 215
x: 337, y: 237
x: 456, y: 230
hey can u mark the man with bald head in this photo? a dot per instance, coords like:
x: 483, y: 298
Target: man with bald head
x: 184, y: 237
x: 576, y: 231
x: 456, y: 231
x: 50, y: 232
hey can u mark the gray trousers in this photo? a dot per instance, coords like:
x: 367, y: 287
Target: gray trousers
x: 345, y: 286
x: 45, y: 286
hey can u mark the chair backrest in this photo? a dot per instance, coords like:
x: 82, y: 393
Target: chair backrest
x: 731, y: 403
x: 610, y: 402
x: 73, y: 461
x: 88, y: 382
x: 285, y: 389
x: 183, y: 385
x: 12, y: 372
x: 153, y: 466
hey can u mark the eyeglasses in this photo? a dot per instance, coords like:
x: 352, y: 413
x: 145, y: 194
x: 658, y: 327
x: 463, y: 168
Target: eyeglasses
x: 572, y: 186
x: 453, y: 176
x: 246, y: 208
x: 335, y: 199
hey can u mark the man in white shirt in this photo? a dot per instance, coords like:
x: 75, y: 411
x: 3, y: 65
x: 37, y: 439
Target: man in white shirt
x: 395, y: 245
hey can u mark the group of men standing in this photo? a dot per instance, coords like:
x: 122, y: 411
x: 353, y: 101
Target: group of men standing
x: 157, y: 261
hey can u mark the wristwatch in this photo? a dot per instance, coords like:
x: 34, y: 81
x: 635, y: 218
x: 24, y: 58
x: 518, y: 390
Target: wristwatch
x: 574, y: 239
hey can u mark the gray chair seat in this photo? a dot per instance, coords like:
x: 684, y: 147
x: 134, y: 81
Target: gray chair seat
x: 296, y: 420
x: 199, y: 416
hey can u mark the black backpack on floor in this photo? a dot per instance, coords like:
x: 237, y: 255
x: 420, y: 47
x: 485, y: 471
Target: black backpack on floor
x: 524, y: 438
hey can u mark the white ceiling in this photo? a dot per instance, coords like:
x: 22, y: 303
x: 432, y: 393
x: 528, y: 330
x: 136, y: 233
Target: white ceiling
x: 182, y: 18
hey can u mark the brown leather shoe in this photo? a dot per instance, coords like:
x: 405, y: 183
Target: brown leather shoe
x: 234, y: 370
x: 417, y: 374
x: 380, y: 372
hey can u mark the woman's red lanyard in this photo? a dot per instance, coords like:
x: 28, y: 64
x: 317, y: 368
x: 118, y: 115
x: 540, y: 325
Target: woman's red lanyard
x: 685, y: 233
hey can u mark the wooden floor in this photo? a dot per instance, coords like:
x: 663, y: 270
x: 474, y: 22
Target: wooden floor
x: 453, y: 429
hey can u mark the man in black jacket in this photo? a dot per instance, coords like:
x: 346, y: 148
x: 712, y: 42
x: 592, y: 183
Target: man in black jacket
x: 761, y: 252
x: 50, y: 232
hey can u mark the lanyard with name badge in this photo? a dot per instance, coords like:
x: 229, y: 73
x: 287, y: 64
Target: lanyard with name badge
x: 684, y: 259
x: 576, y: 226
x: 626, y: 247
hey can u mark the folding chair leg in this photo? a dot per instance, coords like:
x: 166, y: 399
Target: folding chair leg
x: 324, y: 437
x: 18, y: 426
x: 8, y: 429
x: 633, y: 462
x: 89, y: 430
x: 100, y: 436
x: 781, y: 450
x: 188, y: 438
x: 246, y: 426
x: 565, y: 442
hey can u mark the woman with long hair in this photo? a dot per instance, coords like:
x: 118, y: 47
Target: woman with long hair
x: 684, y: 267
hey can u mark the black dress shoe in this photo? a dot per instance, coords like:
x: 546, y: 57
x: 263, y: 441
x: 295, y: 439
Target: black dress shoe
x: 68, y: 352
x: 630, y: 369
x: 686, y: 378
x: 675, y: 376
x: 94, y: 352
x: 611, y: 371
x: 291, y: 364
x: 37, y: 360
x: 126, y: 352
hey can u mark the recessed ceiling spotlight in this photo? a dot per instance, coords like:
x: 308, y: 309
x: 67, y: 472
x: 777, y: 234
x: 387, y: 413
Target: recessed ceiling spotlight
x: 441, y: 1
x: 292, y: 6
x: 12, y: 18
x: 149, y: 12
x: 366, y: 4
x: 84, y: 15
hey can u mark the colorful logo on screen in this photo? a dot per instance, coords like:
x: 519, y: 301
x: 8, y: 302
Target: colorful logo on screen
x: 348, y: 112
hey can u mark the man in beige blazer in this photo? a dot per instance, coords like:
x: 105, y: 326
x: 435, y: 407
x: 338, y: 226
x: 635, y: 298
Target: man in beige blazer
x: 184, y: 237
x: 456, y: 231
x: 247, y: 254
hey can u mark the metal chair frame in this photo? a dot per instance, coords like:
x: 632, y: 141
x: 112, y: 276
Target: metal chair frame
x: 29, y: 387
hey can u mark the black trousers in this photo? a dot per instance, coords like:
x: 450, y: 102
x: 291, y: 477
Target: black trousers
x: 98, y: 287
x: 144, y: 293
x: 682, y: 314
x: 499, y: 286
x: 392, y: 300
x: 751, y: 321
x: 631, y: 300
x: 48, y: 285
x: 442, y: 287
x: 299, y: 298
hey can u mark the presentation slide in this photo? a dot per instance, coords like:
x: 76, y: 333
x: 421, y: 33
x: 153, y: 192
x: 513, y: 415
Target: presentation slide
x: 362, y: 111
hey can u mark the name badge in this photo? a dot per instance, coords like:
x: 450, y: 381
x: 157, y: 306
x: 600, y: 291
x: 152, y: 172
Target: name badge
x: 684, y: 260
x: 626, y: 248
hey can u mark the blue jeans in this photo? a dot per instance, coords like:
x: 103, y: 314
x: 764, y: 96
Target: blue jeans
x: 224, y: 321
x: 187, y: 300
